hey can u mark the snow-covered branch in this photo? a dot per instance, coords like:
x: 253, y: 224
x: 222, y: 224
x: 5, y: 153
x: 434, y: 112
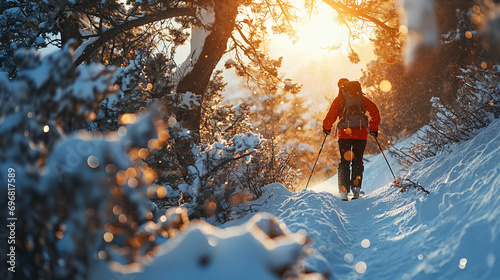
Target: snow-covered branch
x: 89, y: 49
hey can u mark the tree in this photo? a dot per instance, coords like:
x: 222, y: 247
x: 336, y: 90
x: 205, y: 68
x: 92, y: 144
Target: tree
x: 110, y: 31
x: 141, y: 37
x: 446, y: 90
x: 105, y: 29
x: 77, y: 195
x: 113, y: 32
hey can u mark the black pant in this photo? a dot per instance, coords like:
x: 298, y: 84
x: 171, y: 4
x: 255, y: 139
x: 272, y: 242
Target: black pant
x: 351, y: 157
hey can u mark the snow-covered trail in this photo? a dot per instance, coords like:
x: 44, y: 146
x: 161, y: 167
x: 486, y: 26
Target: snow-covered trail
x: 452, y: 233
x: 351, y: 238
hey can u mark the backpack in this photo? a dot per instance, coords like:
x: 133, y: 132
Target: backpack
x: 352, y: 106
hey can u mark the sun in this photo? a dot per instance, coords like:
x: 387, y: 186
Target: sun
x: 317, y: 36
x: 320, y: 33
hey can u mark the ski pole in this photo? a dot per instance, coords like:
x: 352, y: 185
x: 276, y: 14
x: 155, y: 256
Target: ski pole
x: 326, y: 135
x: 385, y: 157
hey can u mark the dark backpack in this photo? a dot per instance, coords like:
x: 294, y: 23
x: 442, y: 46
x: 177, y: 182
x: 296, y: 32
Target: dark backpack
x: 352, y: 106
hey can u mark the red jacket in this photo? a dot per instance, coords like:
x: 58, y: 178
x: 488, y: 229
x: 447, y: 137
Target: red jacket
x: 356, y: 132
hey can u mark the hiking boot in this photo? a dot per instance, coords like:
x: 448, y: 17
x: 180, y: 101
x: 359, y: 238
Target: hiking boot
x: 343, y: 193
x: 357, y: 193
x: 343, y: 196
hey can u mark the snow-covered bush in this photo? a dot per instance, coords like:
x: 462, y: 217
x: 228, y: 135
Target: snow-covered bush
x: 77, y: 195
x: 137, y: 86
x: 212, y: 188
x: 476, y: 106
x: 270, y: 165
x: 226, y: 173
x: 228, y: 166
x: 219, y: 117
x: 14, y: 18
x: 261, y: 248
x: 48, y: 99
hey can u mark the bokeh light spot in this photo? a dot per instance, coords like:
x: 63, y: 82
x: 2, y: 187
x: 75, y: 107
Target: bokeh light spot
x: 403, y: 29
x: 348, y: 258
x: 172, y: 121
x: 108, y: 237
x: 462, y: 263
x: 117, y: 209
x: 122, y: 131
x: 385, y: 86
x: 122, y: 218
x: 127, y: 118
x: 102, y: 255
x: 161, y: 192
x: 92, y: 161
x: 360, y: 267
x: 365, y: 243
x: 349, y: 155
x: 132, y: 182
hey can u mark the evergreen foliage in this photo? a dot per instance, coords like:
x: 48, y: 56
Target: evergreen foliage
x: 78, y: 195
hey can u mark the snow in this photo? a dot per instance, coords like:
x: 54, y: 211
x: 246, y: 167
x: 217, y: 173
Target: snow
x: 197, y: 41
x: 202, y: 239
x: 81, y: 48
x: 188, y: 100
x: 452, y: 233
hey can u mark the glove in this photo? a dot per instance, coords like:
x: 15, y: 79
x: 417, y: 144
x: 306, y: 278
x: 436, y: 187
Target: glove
x: 327, y: 131
x: 374, y: 133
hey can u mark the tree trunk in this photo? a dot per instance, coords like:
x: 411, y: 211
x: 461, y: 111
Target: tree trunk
x: 197, y: 80
x: 214, y: 47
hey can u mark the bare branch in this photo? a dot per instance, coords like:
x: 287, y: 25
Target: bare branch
x: 343, y: 9
x: 128, y: 25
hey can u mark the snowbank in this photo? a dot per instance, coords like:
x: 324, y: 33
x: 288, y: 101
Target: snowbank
x: 452, y: 233
x: 261, y: 248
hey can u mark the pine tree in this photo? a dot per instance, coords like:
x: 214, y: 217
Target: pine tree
x: 78, y: 195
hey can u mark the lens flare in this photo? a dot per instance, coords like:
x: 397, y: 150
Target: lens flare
x: 349, y: 155
x: 385, y: 86
x: 360, y: 267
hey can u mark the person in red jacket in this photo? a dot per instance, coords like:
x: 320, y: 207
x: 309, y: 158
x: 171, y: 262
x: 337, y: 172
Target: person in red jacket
x: 350, y: 107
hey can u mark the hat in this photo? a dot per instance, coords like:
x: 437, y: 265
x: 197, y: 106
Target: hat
x: 341, y: 81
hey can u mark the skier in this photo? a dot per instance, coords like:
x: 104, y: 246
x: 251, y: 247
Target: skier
x: 350, y: 108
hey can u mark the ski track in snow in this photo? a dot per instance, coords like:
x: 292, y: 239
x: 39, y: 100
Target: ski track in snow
x: 453, y: 233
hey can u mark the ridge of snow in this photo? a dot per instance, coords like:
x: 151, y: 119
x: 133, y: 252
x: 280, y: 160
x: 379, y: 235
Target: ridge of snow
x: 204, y: 251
